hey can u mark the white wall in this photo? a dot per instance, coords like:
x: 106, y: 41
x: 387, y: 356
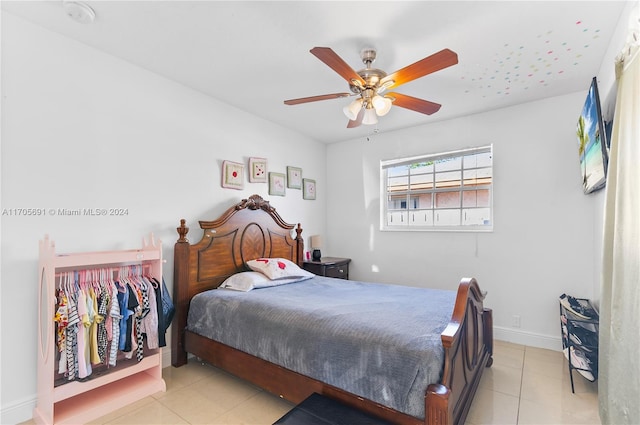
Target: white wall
x: 81, y: 129
x: 543, y: 239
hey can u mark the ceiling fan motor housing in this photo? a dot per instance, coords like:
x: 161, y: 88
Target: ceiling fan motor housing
x: 371, y: 76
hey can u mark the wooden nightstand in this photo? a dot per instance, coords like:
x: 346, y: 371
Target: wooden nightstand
x: 329, y: 267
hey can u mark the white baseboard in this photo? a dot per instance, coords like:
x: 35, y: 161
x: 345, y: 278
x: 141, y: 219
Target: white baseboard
x: 18, y: 411
x: 518, y: 336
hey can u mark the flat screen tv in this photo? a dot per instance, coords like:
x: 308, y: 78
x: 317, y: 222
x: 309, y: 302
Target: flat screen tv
x: 592, y: 147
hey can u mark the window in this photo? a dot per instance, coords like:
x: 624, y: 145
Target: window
x: 445, y: 191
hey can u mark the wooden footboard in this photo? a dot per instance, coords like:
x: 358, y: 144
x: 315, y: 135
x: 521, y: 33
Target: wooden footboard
x: 253, y: 229
x: 468, y: 344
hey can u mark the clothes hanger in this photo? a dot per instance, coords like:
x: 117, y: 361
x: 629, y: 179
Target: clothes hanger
x: 112, y: 284
x: 68, y: 284
x: 120, y: 285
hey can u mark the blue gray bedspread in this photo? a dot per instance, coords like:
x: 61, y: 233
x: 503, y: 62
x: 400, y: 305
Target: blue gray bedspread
x: 381, y: 342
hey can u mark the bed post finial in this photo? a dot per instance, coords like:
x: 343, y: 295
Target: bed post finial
x: 299, y: 245
x: 182, y: 231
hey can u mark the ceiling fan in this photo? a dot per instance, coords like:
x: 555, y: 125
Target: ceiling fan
x: 369, y: 84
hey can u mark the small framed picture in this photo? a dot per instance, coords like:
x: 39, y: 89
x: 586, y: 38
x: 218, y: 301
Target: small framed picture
x: 257, y: 170
x: 277, y: 184
x: 294, y: 178
x: 308, y: 189
x: 232, y: 175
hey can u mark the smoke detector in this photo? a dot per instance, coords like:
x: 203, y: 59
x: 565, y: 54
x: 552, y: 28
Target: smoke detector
x: 79, y: 12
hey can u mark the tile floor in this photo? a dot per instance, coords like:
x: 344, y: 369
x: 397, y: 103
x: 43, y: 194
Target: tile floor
x: 524, y: 386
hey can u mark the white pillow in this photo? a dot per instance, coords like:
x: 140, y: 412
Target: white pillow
x: 277, y: 268
x: 246, y: 281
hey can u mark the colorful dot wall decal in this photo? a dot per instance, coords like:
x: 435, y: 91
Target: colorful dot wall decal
x: 545, y: 59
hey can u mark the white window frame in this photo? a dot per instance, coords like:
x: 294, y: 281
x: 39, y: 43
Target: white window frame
x: 431, y: 217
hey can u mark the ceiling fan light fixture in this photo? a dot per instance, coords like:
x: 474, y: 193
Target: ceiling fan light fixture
x: 352, y: 109
x: 381, y: 104
x: 370, y: 117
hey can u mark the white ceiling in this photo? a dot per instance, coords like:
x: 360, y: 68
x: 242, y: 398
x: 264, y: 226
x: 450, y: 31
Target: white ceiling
x: 255, y: 55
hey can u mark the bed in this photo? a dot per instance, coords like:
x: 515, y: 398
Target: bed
x: 460, y: 344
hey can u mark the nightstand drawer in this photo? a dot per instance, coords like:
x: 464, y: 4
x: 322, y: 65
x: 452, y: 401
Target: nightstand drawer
x: 329, y: 267
x: 341, y: 271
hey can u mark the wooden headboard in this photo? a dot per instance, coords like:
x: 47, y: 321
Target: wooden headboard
x: 248, y: 230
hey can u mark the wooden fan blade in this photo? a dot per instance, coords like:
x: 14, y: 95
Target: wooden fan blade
x: 415, y: 104
x: 316, y: 98
x: 443, y: 59
x: 357, y: 121
x: 335, y: 62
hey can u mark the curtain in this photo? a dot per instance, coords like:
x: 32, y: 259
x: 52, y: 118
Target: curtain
x: 619, y: 351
